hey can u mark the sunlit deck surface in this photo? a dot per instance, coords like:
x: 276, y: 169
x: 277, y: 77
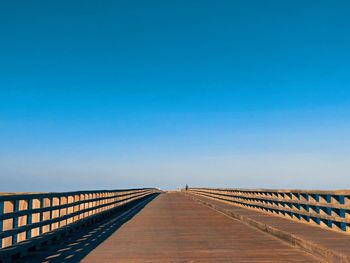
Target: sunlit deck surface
x: 176, y: 228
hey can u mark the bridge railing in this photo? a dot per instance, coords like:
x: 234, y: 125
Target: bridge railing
x: 329, y: 209
x: 28, y: 215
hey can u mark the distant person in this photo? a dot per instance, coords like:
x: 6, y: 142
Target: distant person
x: 186, y: 187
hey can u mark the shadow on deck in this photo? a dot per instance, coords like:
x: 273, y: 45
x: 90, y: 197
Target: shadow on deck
x: 76, y: 246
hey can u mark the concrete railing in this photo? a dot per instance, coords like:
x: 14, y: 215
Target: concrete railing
x: 28, y: 215
x: 329, y: 209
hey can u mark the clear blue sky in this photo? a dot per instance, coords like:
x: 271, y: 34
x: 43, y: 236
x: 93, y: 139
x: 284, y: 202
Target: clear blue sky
x: 118, y: 94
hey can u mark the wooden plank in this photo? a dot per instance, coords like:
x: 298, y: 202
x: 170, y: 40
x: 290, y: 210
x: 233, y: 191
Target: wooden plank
x: 174, y: 228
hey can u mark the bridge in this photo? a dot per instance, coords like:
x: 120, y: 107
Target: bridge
x: 194, y: 225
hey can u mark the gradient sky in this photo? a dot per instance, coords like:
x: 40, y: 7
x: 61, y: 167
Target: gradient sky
x: 118, y: 94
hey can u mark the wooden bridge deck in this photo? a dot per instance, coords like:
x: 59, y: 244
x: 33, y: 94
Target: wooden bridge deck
x: 174, y: 228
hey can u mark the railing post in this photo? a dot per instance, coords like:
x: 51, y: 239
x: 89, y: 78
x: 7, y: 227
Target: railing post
x: 8, y: 207
x: 63, y: 211
x: 35, y: 204
x: 76, y: 207
x: 55, y: 213
x: 70, y: 209
x: 46, y: 203
x: 22, y: 220
x: 82, y: 206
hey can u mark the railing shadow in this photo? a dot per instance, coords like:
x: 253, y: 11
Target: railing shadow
x: 78, y: 245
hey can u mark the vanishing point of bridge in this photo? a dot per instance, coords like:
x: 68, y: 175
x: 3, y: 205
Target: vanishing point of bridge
x: 198, y: 225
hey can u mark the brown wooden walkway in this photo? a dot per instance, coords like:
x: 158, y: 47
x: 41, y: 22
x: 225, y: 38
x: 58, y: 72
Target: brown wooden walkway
x: 174, y: 228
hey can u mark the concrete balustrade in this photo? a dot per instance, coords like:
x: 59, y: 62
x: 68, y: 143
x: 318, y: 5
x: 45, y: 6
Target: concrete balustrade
x: 28, y: 215
x: 328, y: 209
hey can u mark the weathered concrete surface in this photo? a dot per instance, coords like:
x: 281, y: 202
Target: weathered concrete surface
x: 174, y: 228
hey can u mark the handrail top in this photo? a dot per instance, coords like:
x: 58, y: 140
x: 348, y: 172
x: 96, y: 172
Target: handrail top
x: 31, y: 195
x: 291, y: 191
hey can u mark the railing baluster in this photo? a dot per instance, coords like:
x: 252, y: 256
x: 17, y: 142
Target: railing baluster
x: 27, y: 216
x: 329, y: 209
